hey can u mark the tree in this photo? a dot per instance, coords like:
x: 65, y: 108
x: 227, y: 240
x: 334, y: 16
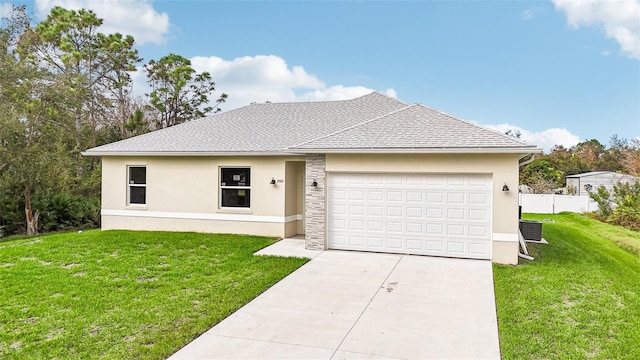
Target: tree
x: 94, y: 66
x: 541, y: 176
x: 591, y: 153
x: 178, y: 92
x: 630, y: 158
x: 33, y: 147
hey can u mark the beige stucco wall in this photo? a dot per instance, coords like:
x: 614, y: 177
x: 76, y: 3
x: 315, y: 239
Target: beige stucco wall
x: 176, y: 202
x: 502, y: 167
x: 294, y: 197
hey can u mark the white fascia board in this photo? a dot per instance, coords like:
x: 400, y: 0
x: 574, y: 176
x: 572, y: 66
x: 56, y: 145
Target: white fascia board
x: 186, y: 153
x: 486, y: 150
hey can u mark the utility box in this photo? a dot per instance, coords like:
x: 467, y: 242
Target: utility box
x: 531, y: 229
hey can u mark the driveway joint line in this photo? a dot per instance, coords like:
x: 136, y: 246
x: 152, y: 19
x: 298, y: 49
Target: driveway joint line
x: 366, y: 306
x: 270, y: 341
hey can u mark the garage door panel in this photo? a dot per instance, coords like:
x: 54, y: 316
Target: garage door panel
x: 455, y: 181
x: 394, y: 196
x: 375, y: 242
x: 456, y: 198
x: 356, y: 195
x: 456, y: 230
x: 435, y: 197
x: 478, y: 249
x: 393, y: 226
x: 337, y: 194
x: 373, y: 225
x: 414, y: 228
x: 478, y: 214
x: 435, y: 213
x: 455, y: 214
x: 435, y: 229
x: 414, y: 212
x: 375, y: 195
x: 356, y: 210
x: 455, y: 247
x: 394, y: 211
x: 416, y: 245
x: 375, y: 210
x: 415, y: 196
x: 478, y: 199
x: 478, y: 231
x: 430, y: 214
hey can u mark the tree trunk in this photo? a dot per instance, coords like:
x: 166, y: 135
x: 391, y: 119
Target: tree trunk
x: 32, y: 219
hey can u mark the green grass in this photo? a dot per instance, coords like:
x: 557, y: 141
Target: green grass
x: 123, y: 294
x: 579, y: 299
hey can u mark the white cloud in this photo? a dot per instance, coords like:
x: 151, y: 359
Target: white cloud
x: 545, y: 139
x: 605, y: 53
x: 620, y: 19
x: 264, y: 78
x: 527, y: 15
x: 5, y: 9
x: 130, y: 17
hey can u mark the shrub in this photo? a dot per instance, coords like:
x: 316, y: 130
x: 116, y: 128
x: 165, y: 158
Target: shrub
x: 626, y: 204
x: 66, y: 211
x: 603, y: 198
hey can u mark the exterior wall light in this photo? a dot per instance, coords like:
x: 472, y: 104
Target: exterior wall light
x: 505, y: 187
x: 314, y: 184
x: 273, y: 181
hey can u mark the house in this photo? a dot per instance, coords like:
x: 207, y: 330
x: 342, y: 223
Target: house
x: 582, y: 184
x: 371, y: 174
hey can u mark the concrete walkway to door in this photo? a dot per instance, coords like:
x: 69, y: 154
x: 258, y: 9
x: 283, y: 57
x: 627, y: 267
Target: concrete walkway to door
x: 352, y: 305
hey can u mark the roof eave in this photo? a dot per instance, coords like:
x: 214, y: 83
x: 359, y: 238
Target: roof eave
x: 466, y: 150
x: 191, y: 153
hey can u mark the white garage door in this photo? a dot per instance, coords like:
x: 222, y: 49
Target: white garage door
x: 427, y: 214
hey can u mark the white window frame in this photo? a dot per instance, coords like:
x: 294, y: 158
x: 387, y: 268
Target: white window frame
x: 221, y: 187
x: 131, y: 185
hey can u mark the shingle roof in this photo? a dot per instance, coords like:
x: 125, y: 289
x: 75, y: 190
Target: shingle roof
x: 415, y: 127
x: 373, y: 121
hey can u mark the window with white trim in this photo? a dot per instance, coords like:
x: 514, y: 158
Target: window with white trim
x: 235, y: 187
x: 137, y: 186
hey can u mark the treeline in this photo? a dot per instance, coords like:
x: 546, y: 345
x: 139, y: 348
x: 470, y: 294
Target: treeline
x: 547, y: 172
x: 66, y: 87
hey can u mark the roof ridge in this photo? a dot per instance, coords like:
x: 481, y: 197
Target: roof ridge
x: 352, y: 126
x: 324, y: 101
x: 476, y: 125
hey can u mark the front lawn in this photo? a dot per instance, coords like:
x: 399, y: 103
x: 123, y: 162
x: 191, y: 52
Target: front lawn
x: 124, y: 294
x: 579, y: 299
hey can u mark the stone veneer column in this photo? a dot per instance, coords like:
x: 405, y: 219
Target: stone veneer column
x: 315, y: 202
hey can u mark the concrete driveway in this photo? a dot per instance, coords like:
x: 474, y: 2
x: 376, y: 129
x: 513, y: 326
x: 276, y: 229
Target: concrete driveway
x: 352, y: 305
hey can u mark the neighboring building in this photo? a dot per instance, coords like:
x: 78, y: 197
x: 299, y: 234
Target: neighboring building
x: 582, y: 184
x: 369, y: 174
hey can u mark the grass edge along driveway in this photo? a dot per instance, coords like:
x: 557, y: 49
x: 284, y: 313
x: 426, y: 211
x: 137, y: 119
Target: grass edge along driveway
x: 125, y: 294
x: 579, y: 299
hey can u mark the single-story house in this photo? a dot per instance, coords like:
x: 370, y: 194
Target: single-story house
x: 370, y: 174
x: 583, y: 184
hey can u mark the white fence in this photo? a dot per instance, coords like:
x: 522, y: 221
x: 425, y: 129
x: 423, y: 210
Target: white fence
x: 553, y: 204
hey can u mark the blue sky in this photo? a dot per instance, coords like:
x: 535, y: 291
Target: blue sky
x: 559, y: 71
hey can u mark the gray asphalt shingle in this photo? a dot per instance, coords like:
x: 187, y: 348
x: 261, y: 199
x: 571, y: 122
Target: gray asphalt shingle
x: 415, y: 127
x: 373, y: 121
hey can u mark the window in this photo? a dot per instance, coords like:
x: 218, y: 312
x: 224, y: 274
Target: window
x: 235, y: 190
x: 137, y: 185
